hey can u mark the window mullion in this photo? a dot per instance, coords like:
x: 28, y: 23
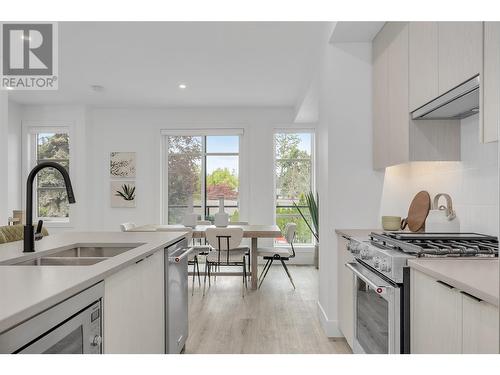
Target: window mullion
x: 204, y: 177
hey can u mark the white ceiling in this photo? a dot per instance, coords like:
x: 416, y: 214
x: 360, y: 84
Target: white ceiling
x: 355, y: 31
x: 223, y: 63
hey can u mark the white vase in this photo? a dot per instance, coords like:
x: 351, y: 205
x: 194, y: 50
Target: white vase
x: 190, y: 218
x: 221, y: 219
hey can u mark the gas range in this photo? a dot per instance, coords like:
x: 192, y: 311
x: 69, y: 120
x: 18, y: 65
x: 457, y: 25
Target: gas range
x: 387, y: 253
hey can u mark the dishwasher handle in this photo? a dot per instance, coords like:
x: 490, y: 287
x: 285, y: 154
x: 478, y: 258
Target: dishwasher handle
x: 178, y: 258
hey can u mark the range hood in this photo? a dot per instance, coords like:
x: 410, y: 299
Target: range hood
x: 456, y: 104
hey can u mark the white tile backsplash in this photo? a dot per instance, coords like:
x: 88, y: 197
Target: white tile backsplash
x: 472, y: 183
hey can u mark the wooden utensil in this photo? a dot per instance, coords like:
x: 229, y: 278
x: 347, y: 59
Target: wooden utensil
x: 418, y: 211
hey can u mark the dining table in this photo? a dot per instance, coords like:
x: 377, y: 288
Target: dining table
x: 254, y: 232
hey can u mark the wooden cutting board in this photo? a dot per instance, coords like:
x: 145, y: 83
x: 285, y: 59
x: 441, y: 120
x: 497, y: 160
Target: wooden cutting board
x: 418, y: 211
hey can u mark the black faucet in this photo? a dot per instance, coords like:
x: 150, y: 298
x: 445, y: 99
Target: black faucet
x: 29, y: 235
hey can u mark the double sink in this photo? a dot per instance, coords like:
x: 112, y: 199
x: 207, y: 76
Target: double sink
x: 77, y: 256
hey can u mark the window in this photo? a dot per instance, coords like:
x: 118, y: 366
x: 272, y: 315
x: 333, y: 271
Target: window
x: 294, y: 178
x: 50, y: 199
x: 201, y: 169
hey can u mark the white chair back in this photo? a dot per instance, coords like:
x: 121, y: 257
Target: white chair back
x: 219, y: 238
x: 290, y: 230
x: 125, y: 227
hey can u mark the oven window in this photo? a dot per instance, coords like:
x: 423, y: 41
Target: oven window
x: 372, y: 320
x: 70, y: 344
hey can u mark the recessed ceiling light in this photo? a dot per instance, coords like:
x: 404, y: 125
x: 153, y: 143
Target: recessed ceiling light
x: 182, y: 86
x: 97, y: 88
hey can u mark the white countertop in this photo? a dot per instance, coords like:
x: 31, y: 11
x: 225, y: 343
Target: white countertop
x: 478, y: 276
x: 28, y: 290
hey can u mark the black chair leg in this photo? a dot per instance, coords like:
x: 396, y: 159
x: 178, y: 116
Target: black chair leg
x: 266, y: 271
x: 205, y: 278
x: 288, y: 273
x: 194, y: 274
x: 245, y: 273
x: 198, y: 271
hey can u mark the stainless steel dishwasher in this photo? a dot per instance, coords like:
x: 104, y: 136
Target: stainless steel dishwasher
x: 176, y: 299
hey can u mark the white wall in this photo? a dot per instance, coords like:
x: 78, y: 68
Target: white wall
x: 4, y: 152
x: 349, y: 189
x: 472, y: 183
x: 139, y: 131
x: 14, y: 163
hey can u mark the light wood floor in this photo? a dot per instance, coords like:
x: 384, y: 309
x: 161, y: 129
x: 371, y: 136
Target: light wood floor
x: 274, y: 319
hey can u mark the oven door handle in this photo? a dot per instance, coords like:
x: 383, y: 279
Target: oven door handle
x: 184, y: 254
x: 376, y: 283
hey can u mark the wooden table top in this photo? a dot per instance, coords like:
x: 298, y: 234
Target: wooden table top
x: 249, y: 231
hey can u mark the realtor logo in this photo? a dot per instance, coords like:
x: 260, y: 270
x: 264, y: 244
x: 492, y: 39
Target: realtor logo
x: 29, y: 56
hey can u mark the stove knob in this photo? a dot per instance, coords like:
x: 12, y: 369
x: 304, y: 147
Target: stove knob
x: 353, y: 247
x: 385, y: 266
x: 96, y: 341
x: 365, y: 253
x: 376, y: 262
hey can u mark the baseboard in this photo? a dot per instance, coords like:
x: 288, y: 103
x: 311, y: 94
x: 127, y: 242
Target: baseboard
x: 331, y: 327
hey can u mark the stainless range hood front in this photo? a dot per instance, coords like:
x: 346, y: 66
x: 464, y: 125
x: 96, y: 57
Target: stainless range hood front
x: 456, y: 104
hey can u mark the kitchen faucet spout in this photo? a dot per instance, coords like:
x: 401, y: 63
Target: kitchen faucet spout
x: 29, y: 236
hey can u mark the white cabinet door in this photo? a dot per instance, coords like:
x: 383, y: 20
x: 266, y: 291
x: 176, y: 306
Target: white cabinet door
x: 460, y: 53
x: 345, y: 291
x: 423, y: 63
x: 480, y: 326
x: 436, y: 316
x: 491, y: 82
x: 134, y: 319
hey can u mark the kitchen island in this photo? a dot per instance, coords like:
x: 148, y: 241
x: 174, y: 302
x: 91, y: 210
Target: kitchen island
x: 28, y: 290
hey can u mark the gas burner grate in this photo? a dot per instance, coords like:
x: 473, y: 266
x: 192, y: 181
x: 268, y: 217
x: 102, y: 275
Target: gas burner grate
x: 440, y: 244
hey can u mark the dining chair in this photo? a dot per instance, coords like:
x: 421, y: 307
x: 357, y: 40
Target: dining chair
x: 227, y: 252
x: 125, y: 227
x: 270, y: 254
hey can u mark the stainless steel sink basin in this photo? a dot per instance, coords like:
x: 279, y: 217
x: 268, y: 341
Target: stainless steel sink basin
x: 78, y: 256
x: 91, y: 252
x: 53, y: 261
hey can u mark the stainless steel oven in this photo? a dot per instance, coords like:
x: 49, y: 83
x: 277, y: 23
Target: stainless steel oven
x: 74, y: 326
x: 376, y: 312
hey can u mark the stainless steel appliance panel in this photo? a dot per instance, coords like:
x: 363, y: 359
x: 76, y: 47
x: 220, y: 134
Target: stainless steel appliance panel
x: 176, y: 264
x: 376, y: 313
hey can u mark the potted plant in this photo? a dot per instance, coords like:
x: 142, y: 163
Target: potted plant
x: 312, y: 203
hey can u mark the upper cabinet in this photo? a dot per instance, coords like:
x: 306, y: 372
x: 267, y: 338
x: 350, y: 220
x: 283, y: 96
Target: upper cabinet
x: 460, y: 46
x: 442, y: 56
x: 491, y: 82
x: 396, y: 138
x: 423, y: 63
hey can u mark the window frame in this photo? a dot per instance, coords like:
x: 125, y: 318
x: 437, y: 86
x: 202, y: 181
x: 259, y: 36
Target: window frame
x: 312, y: 132
x: 30, y: 131
x: 203, y: 133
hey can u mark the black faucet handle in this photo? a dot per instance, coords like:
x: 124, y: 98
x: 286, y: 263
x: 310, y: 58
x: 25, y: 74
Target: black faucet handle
x: 38, y: 232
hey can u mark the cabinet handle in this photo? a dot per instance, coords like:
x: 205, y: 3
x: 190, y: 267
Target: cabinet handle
x: 445, y: 284
x: 471, y: 296
x: 139, y: 261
